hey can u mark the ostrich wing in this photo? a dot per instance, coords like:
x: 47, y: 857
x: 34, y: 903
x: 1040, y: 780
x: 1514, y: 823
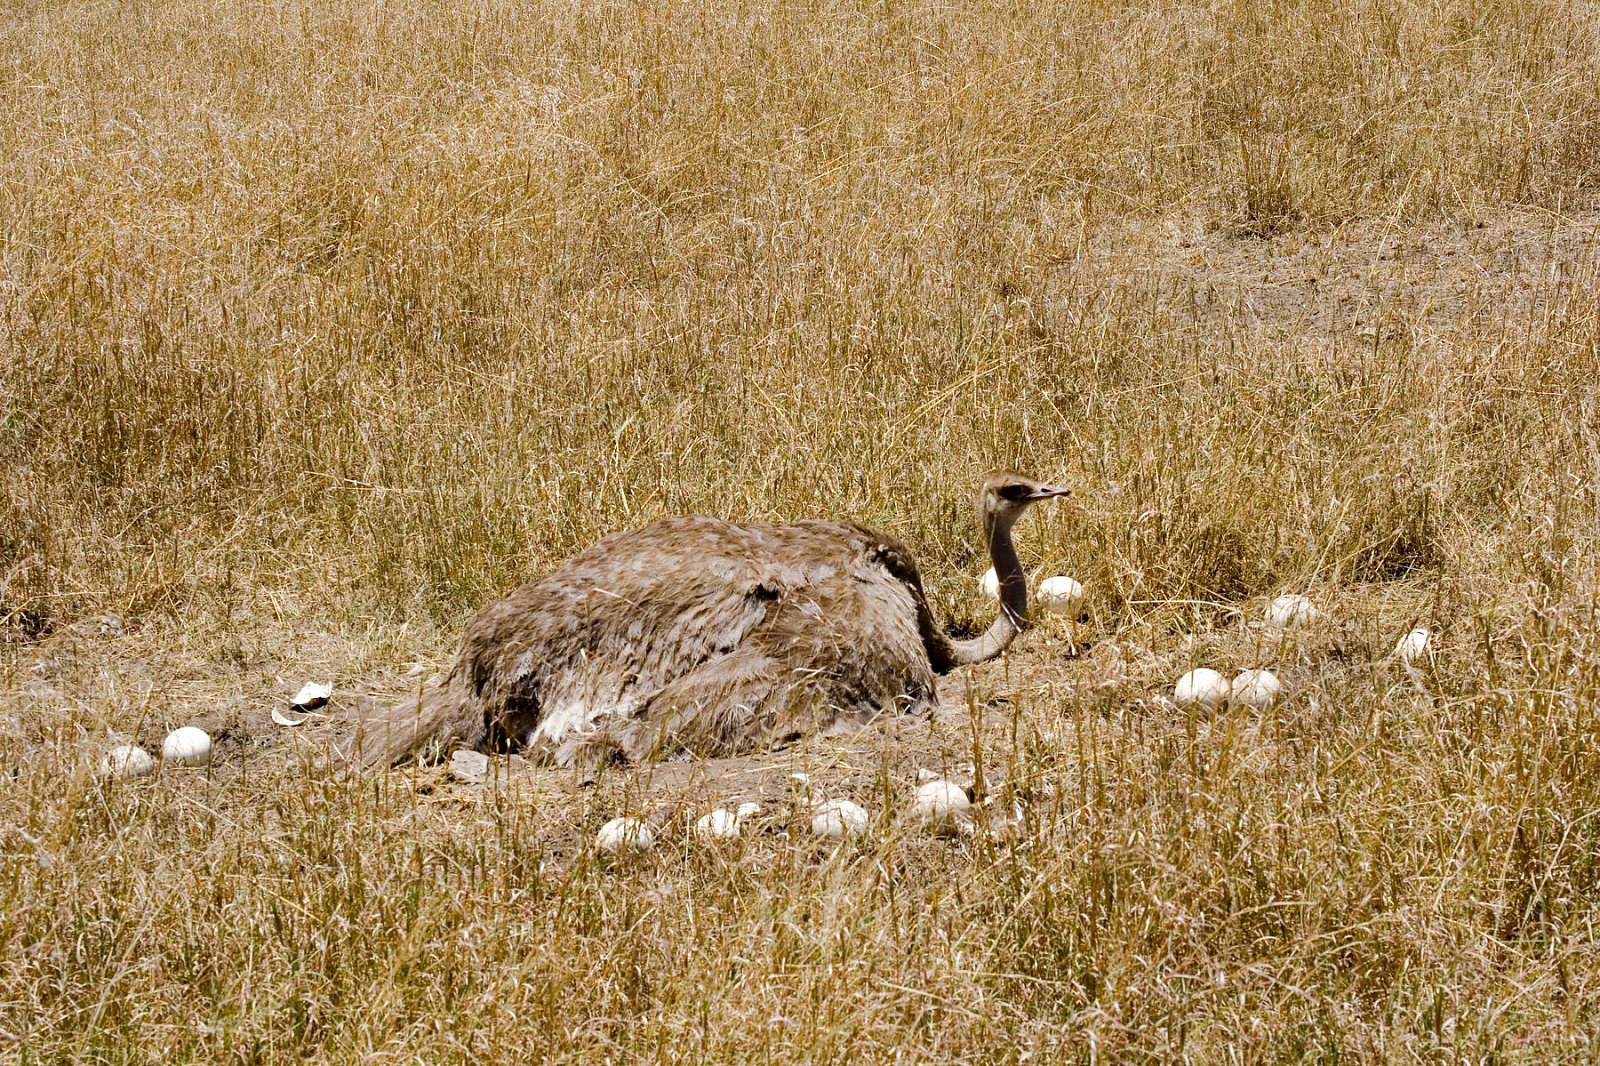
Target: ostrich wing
x: 593, y: 639
x: 839, y: 645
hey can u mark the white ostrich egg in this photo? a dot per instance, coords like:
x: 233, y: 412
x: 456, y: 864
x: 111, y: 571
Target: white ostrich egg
x: 187, y: 746
x: 1060, y: 595
x: 127, y: 761
x: 1285, y: 612
x: 747, y: 810
x: 940, y: 805
x: 720, y: 824
x: 1415, y: 645
x: 1201, y: 688
x: 625, y: 836
x: 838, y: 818
x: 1257, y: 689
x: 990, y: 583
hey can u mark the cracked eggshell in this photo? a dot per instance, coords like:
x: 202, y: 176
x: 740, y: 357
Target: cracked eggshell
x: 312, y: 695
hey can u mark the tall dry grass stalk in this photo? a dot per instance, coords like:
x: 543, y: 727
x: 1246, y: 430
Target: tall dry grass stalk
x: 340, y: 318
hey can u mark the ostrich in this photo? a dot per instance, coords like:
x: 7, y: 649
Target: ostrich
x: 699, y: 635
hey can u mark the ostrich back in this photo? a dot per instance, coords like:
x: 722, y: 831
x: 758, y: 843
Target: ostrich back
x: 689, y: 634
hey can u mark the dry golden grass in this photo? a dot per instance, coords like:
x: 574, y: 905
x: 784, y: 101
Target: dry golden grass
x: 322, y: 323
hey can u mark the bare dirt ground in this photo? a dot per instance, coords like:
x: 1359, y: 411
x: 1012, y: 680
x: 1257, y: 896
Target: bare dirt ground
x: 78, y: 688
x: 1421, y: 283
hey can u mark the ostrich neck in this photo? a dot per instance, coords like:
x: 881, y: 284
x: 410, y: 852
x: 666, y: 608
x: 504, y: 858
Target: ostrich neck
x: 946, y: 653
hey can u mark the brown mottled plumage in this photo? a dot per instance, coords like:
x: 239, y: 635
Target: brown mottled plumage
x: 695, y: 634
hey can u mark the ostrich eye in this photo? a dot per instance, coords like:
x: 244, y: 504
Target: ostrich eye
x: 1014, y: 492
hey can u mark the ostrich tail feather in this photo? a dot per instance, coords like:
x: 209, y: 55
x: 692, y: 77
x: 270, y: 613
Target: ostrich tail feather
x: 424, y: 727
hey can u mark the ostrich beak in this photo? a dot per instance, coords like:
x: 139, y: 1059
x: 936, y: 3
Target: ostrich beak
x: 1045, y: 492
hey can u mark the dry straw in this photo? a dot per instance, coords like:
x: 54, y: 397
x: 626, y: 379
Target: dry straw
x: 322, y: 323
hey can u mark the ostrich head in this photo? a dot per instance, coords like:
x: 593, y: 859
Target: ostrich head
x: 1004, y: 497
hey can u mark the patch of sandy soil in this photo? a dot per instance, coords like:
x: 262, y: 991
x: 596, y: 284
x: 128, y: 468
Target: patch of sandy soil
x: 1368, y: 280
